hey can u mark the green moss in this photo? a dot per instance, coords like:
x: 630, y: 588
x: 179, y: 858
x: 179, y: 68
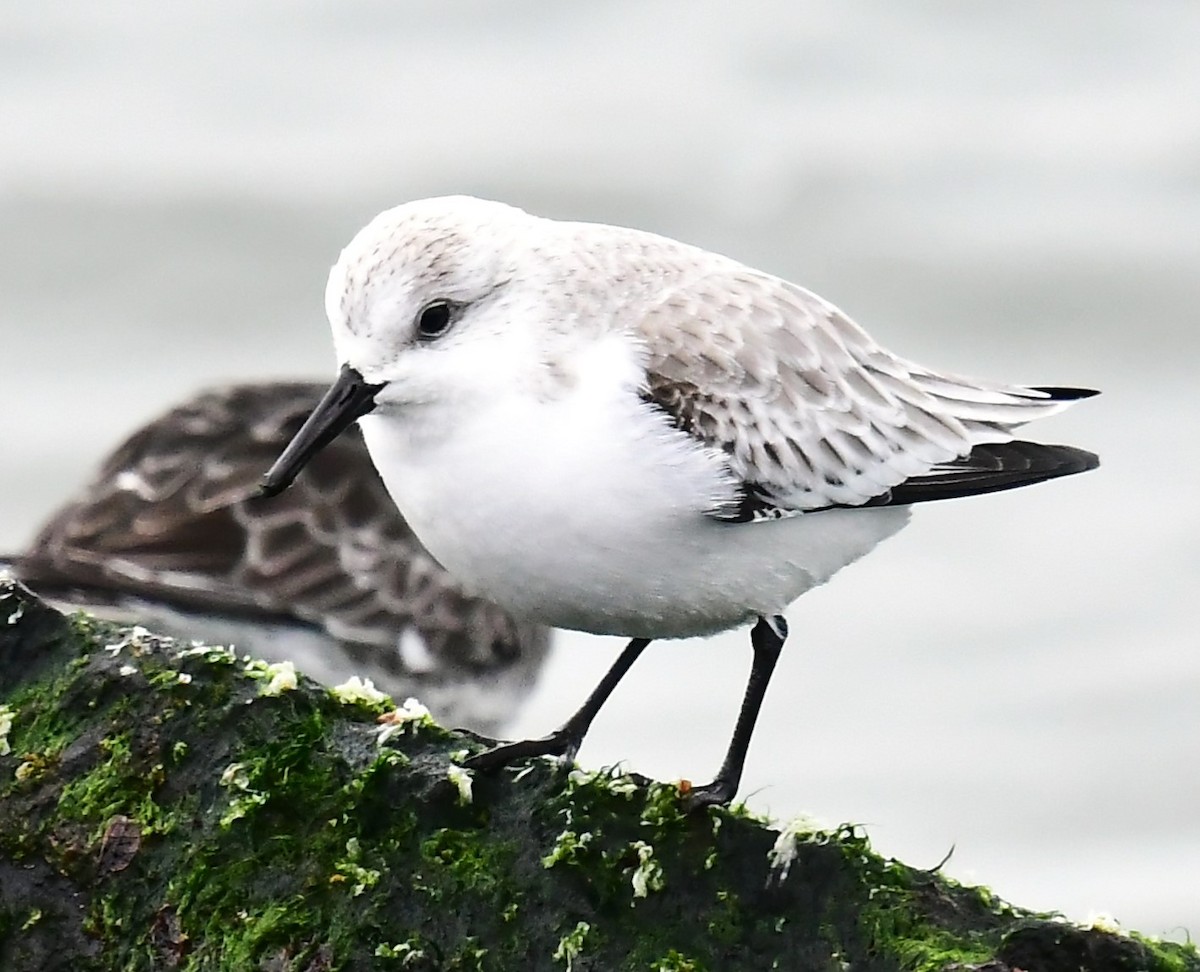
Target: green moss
x: 920, y: 919
x: 724, y: 924
x: 120, y: 783
x: 406, y: 952
x: 463, y: 862
x: 39, y: 723
x: 675, y: 961
x: 1169, y: 956
x: 927, y: 950
x: 248, y: 936
x: 213, y: 824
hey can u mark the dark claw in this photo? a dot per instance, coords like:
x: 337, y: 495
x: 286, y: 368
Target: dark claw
x: 718, y: 793
x: 561, y: 744
x: 565, y: 741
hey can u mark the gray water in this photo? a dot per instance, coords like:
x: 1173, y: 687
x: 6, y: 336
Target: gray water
x: 1007, y: 191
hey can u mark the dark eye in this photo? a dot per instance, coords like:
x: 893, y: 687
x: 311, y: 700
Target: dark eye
x: 434, y: 320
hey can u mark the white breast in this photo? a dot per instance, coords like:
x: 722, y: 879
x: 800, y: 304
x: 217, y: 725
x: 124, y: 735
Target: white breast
x: 587, y: 510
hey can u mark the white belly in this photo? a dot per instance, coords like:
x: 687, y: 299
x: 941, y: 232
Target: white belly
x: 590, y: 515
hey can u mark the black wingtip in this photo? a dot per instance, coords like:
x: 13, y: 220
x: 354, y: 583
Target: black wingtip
x: 992, y: 467
x: 1088, y: 460
x: 1065, y: 394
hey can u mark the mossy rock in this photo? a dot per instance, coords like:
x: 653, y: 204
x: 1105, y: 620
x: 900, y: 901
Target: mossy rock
x: 165, y: 806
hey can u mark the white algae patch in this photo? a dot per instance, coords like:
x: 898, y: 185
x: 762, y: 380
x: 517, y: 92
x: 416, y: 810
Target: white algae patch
x: 570, y: 946
x: 649, y: 874
x: 411, y: 713
x: 461, y: 778
x: 357, y: 690
x: 783, y: 853
x: 210, y: 653
x: 1104, y: 922
x: 280, y: 677
x: 6, y: 724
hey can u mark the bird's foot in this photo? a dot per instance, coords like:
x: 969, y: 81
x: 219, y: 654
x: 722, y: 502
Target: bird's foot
x: 718, y: 793
x: 560, y: 743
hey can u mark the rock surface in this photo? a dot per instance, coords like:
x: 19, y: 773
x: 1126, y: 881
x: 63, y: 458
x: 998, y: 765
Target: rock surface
x: 165, y: 806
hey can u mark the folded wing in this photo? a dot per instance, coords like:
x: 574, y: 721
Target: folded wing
x: 812, y: 413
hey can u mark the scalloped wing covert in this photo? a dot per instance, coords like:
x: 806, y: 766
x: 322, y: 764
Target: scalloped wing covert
x: 174, y: 514
x: 811, y: 411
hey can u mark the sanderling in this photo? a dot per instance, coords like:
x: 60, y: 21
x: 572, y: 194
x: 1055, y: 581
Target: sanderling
x: 607, y: 430
x: 172, y: 530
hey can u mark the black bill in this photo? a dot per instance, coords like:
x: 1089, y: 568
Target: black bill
x: 348, y: 399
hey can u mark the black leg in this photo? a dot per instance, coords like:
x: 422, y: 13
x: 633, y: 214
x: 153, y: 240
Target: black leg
x: 767, y: 639
x: 566, y: 739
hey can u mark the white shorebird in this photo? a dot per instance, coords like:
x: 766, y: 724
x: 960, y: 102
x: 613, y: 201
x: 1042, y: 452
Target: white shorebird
x: 171, y: 532
x: 607, y: 430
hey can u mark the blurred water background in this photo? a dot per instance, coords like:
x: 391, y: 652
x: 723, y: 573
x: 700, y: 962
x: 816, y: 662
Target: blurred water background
x: 1012, y: 192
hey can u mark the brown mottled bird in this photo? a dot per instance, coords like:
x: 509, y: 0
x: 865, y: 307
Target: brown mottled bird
x: 172, y: 527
